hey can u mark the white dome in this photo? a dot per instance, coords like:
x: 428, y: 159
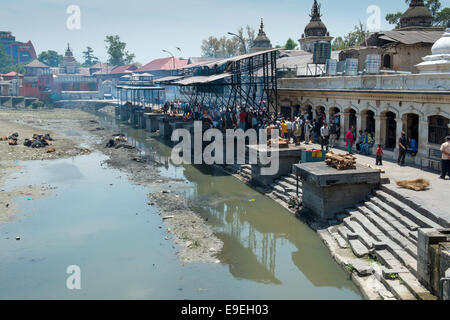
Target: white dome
x: 442, y: 46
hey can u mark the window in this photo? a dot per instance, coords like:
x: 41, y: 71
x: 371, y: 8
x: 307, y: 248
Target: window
x: 437, y: 129
x: 387, y: 61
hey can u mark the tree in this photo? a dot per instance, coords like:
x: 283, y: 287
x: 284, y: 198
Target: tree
x: 355, y: 38
x: 5, y: 60
x: 227, y: 47
x: 440, y: 17
x: 116, y: 51
x: 394, y: 18
x: 50, y: 58
x: 338, y: 43
x: 443, y: 18
x: 290, y: 44
x: 89, y: 58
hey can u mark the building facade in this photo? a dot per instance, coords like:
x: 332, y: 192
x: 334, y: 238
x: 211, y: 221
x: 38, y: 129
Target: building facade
x: 19, y: 52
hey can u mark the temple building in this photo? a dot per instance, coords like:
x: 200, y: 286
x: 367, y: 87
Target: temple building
x: 416, y: 16
x: 384, y: 104
x: 403, y: 48
x: 73, y: 81
x: 261, y: 42
x: 315, y: 31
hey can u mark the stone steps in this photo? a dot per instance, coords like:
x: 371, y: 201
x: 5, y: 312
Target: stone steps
x: 390, y: 220
x: 400, y: 291
x: 357, y: 229
x: 394, y: 214
x: 288, y: 187
x: 407, y: 211
x: 377, y: 226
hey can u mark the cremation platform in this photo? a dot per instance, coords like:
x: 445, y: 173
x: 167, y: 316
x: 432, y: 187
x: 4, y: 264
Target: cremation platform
x: 287, y: 157
x: 152, y: 121
x: 327, y: 191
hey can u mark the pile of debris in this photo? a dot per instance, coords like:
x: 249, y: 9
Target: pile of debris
x: 12, y: 139
x: 381, y: 170
x: 340, y: 161
x: 118, y: 141
x: 38, y: 141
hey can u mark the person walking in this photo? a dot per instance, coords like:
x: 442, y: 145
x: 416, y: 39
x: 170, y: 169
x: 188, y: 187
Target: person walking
x: 308, y: 129
x: 333, y: 134
x: 379, y: 156
x: 324, y: 136
x: 297, y: 131
x: 445, y: 161
x: 350, y: 138
x: 402, y: 149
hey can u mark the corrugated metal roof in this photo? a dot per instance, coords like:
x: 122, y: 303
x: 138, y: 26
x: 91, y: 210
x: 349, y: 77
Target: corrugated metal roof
x: 126, y: 87
x: 169, y: 78
x: 221, y: 62
x: 411, y: 37
x: 203, y: 79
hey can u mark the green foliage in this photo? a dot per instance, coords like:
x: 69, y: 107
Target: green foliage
x: 440, y: 17
x: 19, y: 68
x: 394, y: 18
x: 89, y: 58
x: 227, y: 47
x: 352, y: 39
x: 5, y: 60
x: 50, y: 58
x: 116, y: 51
x: 443, y: 18
x: 6, y: 65
x: 349, y: 268
x: 290, y: 44
x: 392, y: 276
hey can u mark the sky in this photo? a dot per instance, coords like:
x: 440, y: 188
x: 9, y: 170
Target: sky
x: 150, y: 26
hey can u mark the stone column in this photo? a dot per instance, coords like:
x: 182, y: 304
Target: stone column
x: 344, y: 126
x: 358, y: 123
x: 398, y: 134
x: 380, y: 130
x: 422, y: 151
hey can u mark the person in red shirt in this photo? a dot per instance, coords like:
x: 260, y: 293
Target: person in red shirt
x: 242, y: 119
x: 379, y: 156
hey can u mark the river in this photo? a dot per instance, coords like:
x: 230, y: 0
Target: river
x: 98, y: 220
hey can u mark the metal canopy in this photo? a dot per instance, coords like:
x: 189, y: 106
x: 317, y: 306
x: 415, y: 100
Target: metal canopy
x: 245, y: 80
x: 124, y: 87
x: 202, y: 79
x: 169, y: 78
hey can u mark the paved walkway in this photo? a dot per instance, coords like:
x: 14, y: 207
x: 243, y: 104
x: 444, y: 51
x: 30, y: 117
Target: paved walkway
x: 436, y: 199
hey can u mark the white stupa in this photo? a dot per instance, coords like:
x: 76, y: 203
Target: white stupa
x: 439, y: 60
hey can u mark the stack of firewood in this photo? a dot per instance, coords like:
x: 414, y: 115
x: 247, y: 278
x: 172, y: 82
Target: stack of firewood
x: 340, y: 161
x: 282, y: 143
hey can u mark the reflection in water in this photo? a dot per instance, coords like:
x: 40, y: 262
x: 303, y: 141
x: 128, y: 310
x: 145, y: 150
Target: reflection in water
x: 257, y: 233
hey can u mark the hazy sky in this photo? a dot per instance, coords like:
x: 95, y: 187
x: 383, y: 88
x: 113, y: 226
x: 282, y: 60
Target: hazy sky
x: 148, y: 26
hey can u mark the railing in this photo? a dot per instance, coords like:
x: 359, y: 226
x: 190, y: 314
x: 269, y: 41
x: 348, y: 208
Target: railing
x: 439, y: 82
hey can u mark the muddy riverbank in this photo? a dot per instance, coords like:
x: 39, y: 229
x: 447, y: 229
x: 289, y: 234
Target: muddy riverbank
x: 76, y: 133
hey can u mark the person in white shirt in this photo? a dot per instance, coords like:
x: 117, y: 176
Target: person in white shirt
x: 289, y: 127
x: 308, y: 129
x: 445, y: 161
x: 324, y: 135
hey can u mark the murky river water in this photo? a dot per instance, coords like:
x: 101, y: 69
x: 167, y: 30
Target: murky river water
x: 99, y: 221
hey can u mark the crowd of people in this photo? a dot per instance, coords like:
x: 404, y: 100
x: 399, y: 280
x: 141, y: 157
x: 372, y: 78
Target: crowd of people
x: 303, y: 127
